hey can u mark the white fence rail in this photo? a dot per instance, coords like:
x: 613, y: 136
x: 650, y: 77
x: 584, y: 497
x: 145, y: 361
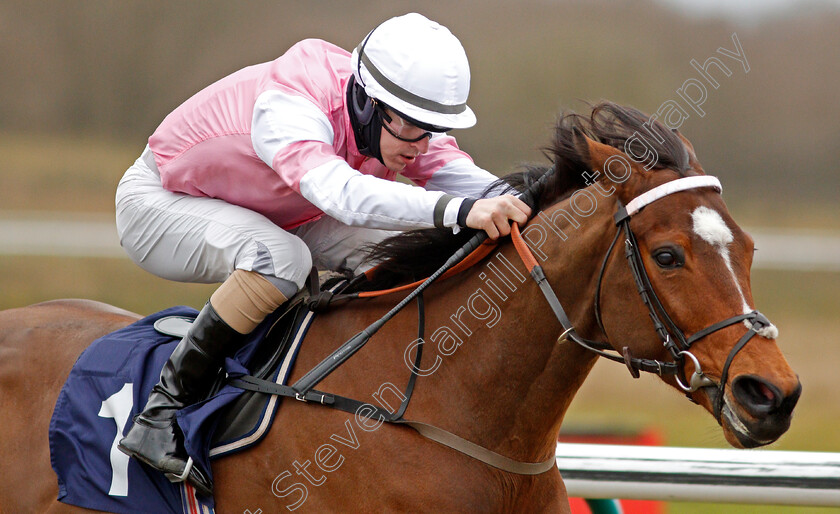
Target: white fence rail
x: 700, y: 475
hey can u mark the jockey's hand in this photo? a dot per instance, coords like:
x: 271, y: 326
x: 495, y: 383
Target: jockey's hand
x: 493, y: 215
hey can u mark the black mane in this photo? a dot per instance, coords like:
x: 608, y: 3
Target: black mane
x: 419, y: 253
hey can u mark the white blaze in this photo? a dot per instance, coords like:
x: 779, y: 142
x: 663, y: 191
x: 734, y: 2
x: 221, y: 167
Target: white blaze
x: 711, y: 228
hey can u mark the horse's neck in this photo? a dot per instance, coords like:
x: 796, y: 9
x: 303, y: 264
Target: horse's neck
x: 510, y: 383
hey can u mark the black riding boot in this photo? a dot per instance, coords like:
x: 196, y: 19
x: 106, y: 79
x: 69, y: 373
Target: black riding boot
x: 186, y: 378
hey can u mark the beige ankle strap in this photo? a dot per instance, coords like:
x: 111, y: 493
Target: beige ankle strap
x: 245, y: 299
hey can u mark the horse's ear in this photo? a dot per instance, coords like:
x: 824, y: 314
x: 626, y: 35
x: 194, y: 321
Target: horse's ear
x: 594, y: 153
x: 693, y: 163
x: 581, y: 143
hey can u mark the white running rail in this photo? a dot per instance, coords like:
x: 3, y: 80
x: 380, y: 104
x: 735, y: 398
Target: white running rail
x: 700, y: 475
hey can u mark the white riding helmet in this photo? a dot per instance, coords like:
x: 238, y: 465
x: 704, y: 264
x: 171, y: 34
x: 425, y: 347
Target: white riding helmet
x: 419, y: 68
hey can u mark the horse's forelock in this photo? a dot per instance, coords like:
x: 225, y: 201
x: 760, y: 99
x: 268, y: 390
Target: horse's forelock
x: 617, y: 126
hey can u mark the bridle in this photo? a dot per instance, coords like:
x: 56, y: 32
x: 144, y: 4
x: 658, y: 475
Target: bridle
x: 673, y: 338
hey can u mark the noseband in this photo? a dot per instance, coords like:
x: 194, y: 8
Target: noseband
x: 672, y: 337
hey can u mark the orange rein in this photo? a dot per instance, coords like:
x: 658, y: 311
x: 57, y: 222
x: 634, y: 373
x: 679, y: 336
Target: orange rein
x: 522, y: 249
x: 470, y: 260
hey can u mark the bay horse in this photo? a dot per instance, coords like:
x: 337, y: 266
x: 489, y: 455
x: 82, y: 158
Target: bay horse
x: 494, y: 371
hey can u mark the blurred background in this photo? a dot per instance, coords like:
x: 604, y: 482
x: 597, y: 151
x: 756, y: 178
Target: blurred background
x: 85, y: 83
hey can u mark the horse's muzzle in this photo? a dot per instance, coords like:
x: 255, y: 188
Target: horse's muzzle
x: 756, y: 412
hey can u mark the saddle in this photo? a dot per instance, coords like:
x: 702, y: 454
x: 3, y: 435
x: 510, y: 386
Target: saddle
x: 245, y: 421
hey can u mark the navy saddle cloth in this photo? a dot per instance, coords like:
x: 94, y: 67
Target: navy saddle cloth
x: 109, y: 385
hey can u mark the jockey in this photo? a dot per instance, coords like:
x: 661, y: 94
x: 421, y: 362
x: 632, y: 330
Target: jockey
x: 287, y: 164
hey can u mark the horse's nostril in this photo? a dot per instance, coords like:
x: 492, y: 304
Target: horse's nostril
x: 756, y: 395
x: 765, y: 391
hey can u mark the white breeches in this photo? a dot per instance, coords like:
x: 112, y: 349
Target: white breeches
x: 197, y: 239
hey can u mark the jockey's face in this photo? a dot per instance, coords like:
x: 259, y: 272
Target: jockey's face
x: 398, y: 142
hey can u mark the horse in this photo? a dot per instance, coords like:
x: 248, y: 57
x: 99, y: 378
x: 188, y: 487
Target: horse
x: 499, y: 368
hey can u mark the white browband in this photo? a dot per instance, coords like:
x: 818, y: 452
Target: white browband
x: 674, y: 186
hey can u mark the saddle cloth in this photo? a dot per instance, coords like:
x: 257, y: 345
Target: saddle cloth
x: 109, y: 385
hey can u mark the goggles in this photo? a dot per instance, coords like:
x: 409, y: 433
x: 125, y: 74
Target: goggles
x: 403, y: 124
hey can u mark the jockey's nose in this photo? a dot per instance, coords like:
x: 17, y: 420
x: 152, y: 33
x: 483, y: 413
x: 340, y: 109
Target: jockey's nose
x: 422, y: 146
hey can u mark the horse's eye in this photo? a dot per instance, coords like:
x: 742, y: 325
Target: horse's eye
x: 668, y: 258
x: 665, y: 259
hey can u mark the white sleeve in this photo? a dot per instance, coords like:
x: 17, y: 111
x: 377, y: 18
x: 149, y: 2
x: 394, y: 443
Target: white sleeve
x: 364, y: 200
x: 281, y: 119
x: 461, y: 177
x: 343, y: 193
